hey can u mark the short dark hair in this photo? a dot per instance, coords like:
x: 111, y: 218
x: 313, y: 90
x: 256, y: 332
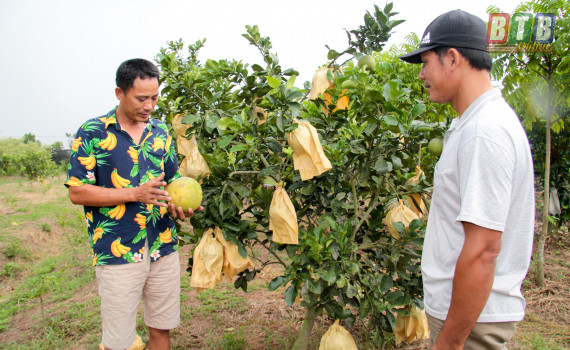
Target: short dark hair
x: 477, y: 59
x: 134, y: 68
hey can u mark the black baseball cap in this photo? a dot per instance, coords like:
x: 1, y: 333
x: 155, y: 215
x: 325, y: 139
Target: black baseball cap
x: 457, y: 29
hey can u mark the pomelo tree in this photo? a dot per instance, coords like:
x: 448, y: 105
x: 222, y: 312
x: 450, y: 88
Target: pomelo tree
x: 346, y: 263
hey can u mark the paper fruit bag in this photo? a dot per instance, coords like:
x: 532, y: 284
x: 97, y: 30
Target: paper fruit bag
x: 308, y: 155
x: 283, y: 218
x: 208, y: 262
x: 410, y: 328
x: 233, y: 263
x: 337, y: 338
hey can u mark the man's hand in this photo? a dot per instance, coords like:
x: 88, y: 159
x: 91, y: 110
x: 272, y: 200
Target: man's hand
x: 150, y: 192
x: 178, y: 213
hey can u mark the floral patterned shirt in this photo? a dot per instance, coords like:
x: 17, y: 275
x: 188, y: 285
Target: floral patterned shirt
x: 105, y: 155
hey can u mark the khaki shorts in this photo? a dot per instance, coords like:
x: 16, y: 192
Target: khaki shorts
x: 484, y: 336
x: 120, y: 289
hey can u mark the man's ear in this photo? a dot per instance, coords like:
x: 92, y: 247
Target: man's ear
x: 454, y: 57
x: 119, y: 93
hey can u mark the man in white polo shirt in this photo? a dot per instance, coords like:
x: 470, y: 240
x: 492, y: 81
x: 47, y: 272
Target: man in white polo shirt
x: 479, y: 236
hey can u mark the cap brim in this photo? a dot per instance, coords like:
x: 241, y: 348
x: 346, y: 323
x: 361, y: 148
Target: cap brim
x: 415, y: 56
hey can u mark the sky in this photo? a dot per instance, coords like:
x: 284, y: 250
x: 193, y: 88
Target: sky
x: 58, y: 58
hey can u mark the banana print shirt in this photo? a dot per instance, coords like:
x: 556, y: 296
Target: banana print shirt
x: 104, y: 155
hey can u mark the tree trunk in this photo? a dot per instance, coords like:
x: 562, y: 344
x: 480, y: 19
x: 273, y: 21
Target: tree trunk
x: 302, y: 341
x: 540, y: 281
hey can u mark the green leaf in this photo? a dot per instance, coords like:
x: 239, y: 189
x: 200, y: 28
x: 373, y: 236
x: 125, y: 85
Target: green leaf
x: 291, y: 295
x: 391, y: 90
x: 211, y: 121
x: 382, y: 166
x: 276, y: 283
x: 269, y: 181
x: 351, y: 267
x: 241, y: 282
x: 228, y: 123
x: 274, y: 146
x: 231, y: 227
x: 396, y: 162
x: 418, y: 109
x: 416, y: 224
x: 237, y: 148
x: 329, y: 275
x: 241, y: 250
x: 280, y: 122
x: 391, y: 319
x: 257, y: 68
x: 399, y: 227
x: 364, y: 308
x: 314, y: 286
x: 386, y: 283
x: 250, y: 275
x: 291, y: 82
x: 273, y: 82
x: 225, y: 141
x: 390, y: 120
x: 326, y: 221
x: 190, y: 119
x: 341, y: 282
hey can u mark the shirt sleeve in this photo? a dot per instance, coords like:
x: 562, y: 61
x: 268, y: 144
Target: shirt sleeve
x: 170, y: 161
x: 486, y: 175
x: 82, y: 161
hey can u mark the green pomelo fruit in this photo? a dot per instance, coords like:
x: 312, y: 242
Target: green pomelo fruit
x: 367, y: 62
x: 348, y: 84
x: 186, y: 193
x: 435, y: 147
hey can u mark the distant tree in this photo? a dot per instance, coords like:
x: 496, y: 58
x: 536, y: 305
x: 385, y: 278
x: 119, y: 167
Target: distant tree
x: 56, y: 146
x: 70, y: 138
x: 29, y: 138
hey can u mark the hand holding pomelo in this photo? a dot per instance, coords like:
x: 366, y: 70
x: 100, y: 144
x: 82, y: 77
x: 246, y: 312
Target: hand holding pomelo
x: 185, y: 193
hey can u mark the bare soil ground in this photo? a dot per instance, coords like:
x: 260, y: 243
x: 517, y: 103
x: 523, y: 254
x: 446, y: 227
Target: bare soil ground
x: 226, y: 318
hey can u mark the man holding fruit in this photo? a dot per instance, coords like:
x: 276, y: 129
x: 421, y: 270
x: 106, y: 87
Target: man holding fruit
x: 119, y: 166
x: 480, y: 228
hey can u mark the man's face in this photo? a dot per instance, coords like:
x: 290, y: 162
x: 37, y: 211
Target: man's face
x: 139, y: 101
x: 435, y: 75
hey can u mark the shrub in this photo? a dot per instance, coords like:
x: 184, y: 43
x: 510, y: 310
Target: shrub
x: 27, y: 159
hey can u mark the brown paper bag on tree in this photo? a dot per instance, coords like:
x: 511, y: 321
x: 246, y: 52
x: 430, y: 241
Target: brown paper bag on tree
x: 208, y: 262
x: 402, y: 214
x: 193, y: 165
x: 410, y: 328
x: 234, y: 263
x: 421, y: 210
x: 320, y: 83
x: 308, y: 155
x: 179, y: 128
x: 337, y: 338
x: 283, y: 218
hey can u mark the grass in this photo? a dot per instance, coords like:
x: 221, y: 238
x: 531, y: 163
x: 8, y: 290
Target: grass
x: 48, y: 297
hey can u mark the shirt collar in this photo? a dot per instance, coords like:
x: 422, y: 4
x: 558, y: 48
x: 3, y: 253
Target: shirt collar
x: 479, y: 102
x: 112, y: 115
